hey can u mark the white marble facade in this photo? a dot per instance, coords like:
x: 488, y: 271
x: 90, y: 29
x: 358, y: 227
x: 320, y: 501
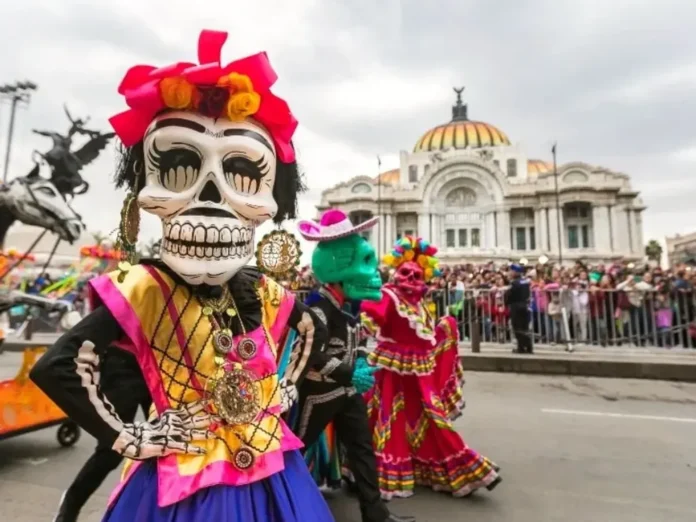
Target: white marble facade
x: 478, y: 197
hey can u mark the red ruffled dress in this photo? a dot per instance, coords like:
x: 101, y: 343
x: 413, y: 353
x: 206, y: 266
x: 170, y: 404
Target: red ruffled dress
x: 416, y: 397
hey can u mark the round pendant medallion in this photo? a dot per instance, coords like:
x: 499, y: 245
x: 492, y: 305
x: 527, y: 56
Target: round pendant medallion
x: 244, y: 459
x: 246, y: 349
x: 222, y: 341
x: 236, y: 397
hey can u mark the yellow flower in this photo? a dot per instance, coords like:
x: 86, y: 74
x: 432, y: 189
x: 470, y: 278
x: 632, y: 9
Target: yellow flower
x: 177, y: 93
x: 236, y: 82
x: 243, y: 104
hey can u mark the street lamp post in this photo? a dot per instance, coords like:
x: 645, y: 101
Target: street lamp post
x: 17, y: 93
x: 558, y: 206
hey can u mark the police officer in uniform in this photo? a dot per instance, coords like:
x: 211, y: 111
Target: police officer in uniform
x: 517, y: 301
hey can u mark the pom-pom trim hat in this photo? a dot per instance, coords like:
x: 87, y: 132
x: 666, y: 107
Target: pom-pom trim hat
x: 334, y: 224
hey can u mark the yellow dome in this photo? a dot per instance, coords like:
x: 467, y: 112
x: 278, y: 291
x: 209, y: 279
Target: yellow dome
x: 390, y: 177
x: 536, y: 167
x: 461, y: 133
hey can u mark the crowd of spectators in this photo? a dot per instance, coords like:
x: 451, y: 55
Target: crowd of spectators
x: 604, y: 304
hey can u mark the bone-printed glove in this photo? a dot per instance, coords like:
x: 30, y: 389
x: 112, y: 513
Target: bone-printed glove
x: 288, y: 394
x: 363, y: 375
x: 173, y: 432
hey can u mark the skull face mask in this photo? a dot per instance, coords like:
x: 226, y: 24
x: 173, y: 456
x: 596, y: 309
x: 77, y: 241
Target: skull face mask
x: 351, y: 262
x: 211, y: 182
x: 409, y: 278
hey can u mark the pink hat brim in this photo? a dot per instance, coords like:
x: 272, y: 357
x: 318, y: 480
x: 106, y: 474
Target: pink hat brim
x: 313, y: 231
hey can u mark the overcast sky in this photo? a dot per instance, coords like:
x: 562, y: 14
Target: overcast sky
x: 613, y: 81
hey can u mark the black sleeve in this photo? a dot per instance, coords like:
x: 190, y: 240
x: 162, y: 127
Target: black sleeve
x: 326, y: 364
x: 310, y: 348
x: 69, y: 374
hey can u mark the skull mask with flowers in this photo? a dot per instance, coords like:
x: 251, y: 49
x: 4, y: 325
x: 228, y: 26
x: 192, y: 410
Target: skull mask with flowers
x: 415, y: 264
x: 351, y: 262
x: 209, y: 152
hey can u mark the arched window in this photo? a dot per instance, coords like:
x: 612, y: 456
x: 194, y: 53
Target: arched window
x: 461, y: 197
x: 462, y: 223
x: 361, y: 188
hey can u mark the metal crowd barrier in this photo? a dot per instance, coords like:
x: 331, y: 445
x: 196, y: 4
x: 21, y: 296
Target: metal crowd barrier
x: 578, y: 317
x: 565, y: 317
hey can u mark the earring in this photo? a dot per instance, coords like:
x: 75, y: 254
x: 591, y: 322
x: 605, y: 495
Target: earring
x: 128, y: 230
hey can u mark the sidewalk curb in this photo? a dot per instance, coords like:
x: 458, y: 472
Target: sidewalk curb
x: 538, y: 364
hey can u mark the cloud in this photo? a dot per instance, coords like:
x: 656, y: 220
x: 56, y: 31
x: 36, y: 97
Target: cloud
x: 612, y: 82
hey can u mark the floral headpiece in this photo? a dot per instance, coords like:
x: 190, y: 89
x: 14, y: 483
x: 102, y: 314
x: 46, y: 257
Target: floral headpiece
x: 409, y: 248
x: 236, y: 91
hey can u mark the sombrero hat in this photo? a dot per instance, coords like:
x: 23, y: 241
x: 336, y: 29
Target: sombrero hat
x: 333, y: 224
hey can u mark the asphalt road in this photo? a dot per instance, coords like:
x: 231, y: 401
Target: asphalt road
x: 571, y: 450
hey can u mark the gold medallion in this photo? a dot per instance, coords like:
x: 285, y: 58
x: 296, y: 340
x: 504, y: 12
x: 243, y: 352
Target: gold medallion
x: 246, y: 349
x: 236, y: 397
x: 278, y: 253
x: 243, y: 459
x: 222, y: 341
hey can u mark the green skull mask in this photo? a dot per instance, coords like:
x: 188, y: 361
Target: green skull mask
x: 351, y: 262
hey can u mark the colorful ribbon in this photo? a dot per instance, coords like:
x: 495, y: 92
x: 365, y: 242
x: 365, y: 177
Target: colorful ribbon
x: 140, y: 88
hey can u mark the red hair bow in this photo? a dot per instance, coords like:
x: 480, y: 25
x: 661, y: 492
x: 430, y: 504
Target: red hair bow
x: 141, y: 89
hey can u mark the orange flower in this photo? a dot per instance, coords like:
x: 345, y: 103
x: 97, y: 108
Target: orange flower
x: 242, y: 105
x: 236, y: 82
x: 177, y: 93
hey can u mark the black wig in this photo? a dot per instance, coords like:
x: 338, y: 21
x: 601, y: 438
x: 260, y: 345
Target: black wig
x: 288, y: 185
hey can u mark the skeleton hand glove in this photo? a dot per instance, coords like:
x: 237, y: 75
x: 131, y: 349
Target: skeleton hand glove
x: 363, y: 375
x: 173, y: 432
x: 288, y: 394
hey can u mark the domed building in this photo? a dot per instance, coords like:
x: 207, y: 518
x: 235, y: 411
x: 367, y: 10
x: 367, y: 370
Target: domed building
x: 467, y: 188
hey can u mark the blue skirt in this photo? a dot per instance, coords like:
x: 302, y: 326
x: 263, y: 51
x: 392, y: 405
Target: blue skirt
x: 288, y: 496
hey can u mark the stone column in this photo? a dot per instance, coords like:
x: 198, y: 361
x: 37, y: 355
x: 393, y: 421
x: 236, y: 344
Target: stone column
x: 424, y: 226
x: 488, y: 232
x: 638, y: 232
x: 615, y: 230
x: 553, y: 232
x: 435, y: 232
x: 600, y: 227
x: 388, y: 235
x: 375, y: 234
x: 541, y: 230
x: 630, y: 237
x: 503, y: 218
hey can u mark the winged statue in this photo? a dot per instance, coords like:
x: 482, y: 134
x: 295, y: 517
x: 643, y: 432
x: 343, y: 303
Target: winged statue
x: 65, y: 163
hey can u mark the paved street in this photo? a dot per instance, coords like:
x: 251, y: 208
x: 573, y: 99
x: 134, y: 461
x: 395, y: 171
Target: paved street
x: 571, y: 450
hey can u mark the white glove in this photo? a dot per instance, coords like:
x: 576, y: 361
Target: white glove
x: 70, y: 319
x: 172, y: 432
x: 288, y: 394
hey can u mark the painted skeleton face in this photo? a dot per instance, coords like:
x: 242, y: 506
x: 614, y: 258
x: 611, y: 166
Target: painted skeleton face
x: 409, y: 278
x: 352, y: 262
x: 211, y: 183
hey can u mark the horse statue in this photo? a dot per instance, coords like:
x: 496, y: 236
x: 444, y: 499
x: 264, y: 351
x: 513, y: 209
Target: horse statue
x: 36, y: 201
x: 66, y: 164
